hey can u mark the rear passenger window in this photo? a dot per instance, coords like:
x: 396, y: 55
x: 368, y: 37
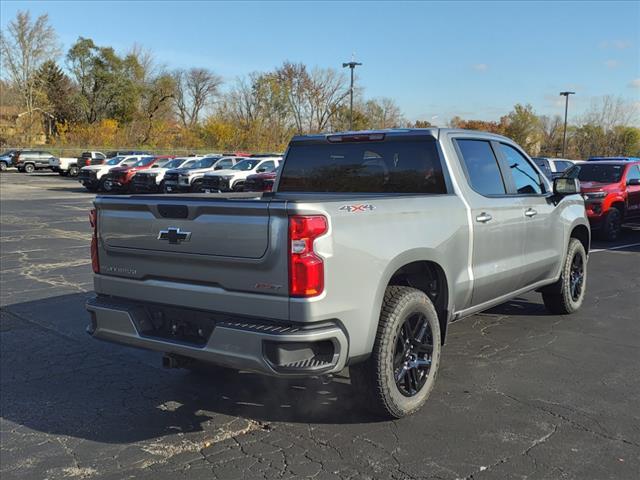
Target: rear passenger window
x: 482, y: 167
x: 525, y: 177
x: 634, y: 173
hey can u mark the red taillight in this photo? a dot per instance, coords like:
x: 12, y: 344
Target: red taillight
x: 93, y: 220
x: 306, y: 269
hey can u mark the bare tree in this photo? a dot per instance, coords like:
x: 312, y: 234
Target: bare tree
x: 295, y: 80
x: 327, y: 90
x: 195, y: 89
x: 24, y: 48
x: 609, y: 112
x: 551, y: 135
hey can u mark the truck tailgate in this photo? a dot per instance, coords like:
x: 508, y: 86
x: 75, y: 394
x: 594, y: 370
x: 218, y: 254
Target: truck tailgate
x: 220, y: 241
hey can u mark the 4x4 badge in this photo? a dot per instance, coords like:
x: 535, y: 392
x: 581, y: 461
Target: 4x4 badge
x: 359, y: 207
x: 174, y: 235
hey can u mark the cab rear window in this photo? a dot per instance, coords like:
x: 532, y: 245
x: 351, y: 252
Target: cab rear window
x: 364, y: 167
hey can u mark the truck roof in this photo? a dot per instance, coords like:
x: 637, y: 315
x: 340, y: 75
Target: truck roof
x: 433, y: 132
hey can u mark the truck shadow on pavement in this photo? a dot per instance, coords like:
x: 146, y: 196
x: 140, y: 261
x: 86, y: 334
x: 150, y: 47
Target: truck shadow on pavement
x: 56, y: 379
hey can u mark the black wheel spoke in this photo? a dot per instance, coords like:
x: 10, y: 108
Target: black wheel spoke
x: 423, y: 348
x: 412, y: 355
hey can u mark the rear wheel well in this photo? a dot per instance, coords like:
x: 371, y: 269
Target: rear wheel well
x: 582, y: 234
x: 429, y: 278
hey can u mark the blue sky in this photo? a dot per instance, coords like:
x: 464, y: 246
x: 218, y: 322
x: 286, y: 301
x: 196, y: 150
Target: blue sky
x: 473, y: 59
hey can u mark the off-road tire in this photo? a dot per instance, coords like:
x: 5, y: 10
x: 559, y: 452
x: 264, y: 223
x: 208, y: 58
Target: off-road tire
x: 558, y: 298
x: 29, y: 168
x: 374, y: 378
x: 101, y: 185
x: 611, y: 225
x: 73, y: 171
x: 197, y: 186
x: 3, y: 166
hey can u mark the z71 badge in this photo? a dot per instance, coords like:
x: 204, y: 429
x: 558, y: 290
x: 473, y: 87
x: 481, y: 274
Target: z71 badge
x: 360, y: 207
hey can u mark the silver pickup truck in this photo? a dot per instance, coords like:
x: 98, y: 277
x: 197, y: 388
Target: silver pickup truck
x: 370, y: 245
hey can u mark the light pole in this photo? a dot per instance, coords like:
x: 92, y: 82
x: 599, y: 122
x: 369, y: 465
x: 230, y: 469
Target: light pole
x: 352, y: 65
x: 566, y: 109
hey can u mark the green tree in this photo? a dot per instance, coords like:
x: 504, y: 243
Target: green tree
x: 58, y: 92
x: 106, y: 82
x: 523, y: 127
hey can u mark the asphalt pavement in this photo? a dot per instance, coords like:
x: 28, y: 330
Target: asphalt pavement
x: 520, y: 394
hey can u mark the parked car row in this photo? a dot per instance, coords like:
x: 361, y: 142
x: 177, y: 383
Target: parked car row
x: 166, y: 174
x: 135, y: 171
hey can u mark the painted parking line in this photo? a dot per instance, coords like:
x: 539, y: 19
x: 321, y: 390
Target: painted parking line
x: 596, y: 250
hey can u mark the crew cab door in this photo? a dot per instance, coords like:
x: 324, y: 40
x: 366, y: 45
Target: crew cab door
x: 633, y: 192
x: 544, y: 242
x: 498, y: 223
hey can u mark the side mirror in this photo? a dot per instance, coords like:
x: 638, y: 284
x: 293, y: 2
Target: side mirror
x: 633, y: 181
x: 566, y: 186
x: 218, y: 167
x: 261, y: 170
x: 154, y: 166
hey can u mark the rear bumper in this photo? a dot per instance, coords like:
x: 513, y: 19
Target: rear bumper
x: 262, y: 346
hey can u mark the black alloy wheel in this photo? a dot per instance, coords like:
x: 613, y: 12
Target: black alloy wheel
x: 412, y: 355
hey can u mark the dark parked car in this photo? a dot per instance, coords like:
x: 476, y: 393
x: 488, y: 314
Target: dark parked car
x: 30, y: 160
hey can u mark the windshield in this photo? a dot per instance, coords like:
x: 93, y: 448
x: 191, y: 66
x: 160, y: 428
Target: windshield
x: 143, y: 162
x: 170, y: 163
x: 115, y: 161
x: 129, y: 162
x: 245, y: 165
x: 190, y: 164
x: 596, y: 173
x: 204, y: 162
x: 407, y: 166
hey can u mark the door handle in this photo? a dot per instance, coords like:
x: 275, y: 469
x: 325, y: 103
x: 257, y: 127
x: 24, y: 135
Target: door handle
x: 530, y: 212
x: 483, y: 217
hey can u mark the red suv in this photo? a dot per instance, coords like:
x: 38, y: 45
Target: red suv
x: 611, y: 191
x: 119, y: 178
x: 260, y: 182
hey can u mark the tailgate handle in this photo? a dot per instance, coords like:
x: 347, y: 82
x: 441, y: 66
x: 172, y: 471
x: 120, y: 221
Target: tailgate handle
x: 173, y: 211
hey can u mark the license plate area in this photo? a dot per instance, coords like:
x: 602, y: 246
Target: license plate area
x: 177, y: 325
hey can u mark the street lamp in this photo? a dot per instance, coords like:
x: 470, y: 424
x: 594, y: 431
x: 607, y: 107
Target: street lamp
x: 566, y: 109
x: 352, y: 65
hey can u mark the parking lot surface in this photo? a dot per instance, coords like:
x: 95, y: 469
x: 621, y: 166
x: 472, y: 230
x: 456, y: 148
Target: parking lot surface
x: 520, y: 394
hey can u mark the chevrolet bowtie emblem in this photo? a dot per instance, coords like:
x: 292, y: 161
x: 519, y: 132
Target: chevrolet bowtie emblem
x: 174, y: 235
